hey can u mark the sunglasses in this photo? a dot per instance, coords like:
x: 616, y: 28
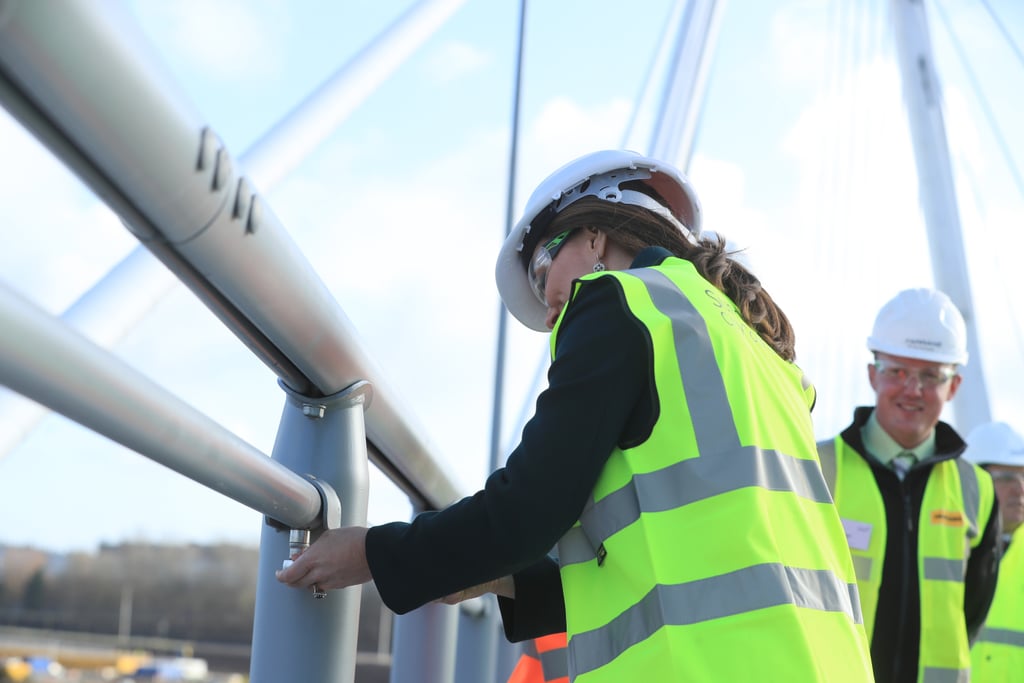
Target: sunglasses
x: 537, y: 273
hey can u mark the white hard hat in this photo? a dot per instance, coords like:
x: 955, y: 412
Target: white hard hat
x: 922, y: 324
x: 995, y: 443
x: 602, y: 175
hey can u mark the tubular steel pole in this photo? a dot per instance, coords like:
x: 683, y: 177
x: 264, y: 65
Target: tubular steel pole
x: 424, y: 647
x: 51, y: 364
x: 923, y: 96
x: 77, y: 76
x: 479, y: 634
x: 133, y: 287
x: 476, y: 657
x: 295, y: 636
x: 686, y: 80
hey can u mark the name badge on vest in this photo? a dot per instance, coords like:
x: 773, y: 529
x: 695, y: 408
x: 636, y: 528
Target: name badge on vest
x: 947, y: 518
x: 858, y: 534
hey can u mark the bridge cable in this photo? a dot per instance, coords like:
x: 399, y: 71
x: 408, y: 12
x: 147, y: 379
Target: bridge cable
x: 502, y: 343
x: 983, y: 102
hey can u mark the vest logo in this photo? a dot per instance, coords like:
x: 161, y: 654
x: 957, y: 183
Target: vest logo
x: 947, y: 518
x: 922, y: 343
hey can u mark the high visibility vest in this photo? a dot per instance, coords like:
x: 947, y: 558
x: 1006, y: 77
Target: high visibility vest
x: 544, y: 660
x: 998, y: 653
x: 712, y: 550
x: 955, y: 510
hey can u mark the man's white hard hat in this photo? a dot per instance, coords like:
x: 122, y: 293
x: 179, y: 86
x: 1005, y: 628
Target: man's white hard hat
x: 602, y: 175
x: 995, y: 443
x: 923, y: 324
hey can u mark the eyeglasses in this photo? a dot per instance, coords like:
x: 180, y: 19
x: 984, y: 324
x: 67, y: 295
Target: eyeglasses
x: 926, y: 377
x: 537, y: 273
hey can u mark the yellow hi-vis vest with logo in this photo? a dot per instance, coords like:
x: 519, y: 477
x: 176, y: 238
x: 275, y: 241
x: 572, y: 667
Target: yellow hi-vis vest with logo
x: 711, y: 551
x: 998, y: 653
x: 955, y: 510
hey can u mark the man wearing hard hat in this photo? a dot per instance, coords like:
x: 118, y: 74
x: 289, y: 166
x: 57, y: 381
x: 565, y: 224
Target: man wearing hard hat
x: 998, y: 653
x: 921, y: 522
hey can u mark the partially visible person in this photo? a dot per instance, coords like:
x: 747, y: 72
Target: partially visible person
x: 544, y: 660
x: 921, y: 522
x: 998, y: 653
x: 671, y: 458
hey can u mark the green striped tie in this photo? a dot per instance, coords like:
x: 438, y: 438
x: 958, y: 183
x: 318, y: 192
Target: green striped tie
x: 903, y: 462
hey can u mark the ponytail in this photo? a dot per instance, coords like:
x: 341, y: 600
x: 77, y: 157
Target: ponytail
x: 633, y: 228
x: 757, y: 307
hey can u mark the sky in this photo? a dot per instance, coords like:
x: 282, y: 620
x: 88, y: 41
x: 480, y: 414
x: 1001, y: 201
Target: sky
x: 803, y: 158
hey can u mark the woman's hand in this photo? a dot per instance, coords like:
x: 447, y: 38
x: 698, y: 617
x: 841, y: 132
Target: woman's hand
x: 336, y: 560
x: 504, y: 587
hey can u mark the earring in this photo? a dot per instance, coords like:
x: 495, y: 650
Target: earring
x: 598, y: 267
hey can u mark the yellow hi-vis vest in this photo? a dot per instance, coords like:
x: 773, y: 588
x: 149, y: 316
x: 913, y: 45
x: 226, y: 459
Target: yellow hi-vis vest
x: 711, y: 551
x: 998, y: 654
x: 955, y: 510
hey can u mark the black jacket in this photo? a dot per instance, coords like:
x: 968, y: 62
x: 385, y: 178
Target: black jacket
x: 600, y: 395
x: 895, y: 642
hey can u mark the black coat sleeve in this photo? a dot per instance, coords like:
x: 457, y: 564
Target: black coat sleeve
x: 594, y: 385
x: 982, y: 572
x: 538, y: 608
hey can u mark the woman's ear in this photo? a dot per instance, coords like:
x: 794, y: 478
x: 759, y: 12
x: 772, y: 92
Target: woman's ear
x: 598, y: 241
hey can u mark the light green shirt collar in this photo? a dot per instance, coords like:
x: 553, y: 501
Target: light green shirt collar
x: 879, y: 444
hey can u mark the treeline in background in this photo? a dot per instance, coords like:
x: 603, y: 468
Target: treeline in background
x: 194, y: 599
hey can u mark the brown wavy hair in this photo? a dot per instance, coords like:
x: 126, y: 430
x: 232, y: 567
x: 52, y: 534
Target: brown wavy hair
x: 633, y: 228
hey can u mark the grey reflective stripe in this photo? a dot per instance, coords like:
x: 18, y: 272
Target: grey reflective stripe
x: 943, y: 569
x: 730, y: 466
x: 555, y: 664
x: 827, y: 460
x: 575, y: 547
x: 1002, y: 636
x: 723, y: 464
x: 972, y: 495
x: 753, y: 588
x: 687, y: 482
x: 934, y: 675
x: 707, y: 399
x: 862, y: 567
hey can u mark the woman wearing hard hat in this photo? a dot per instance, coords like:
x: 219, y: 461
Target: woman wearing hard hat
x: 671, y: 459
x: 921, y: 522
x: 998, y: 653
